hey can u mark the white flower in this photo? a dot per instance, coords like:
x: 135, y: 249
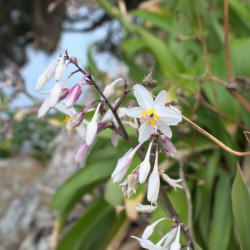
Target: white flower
x: 145, y: 166
x: 55, y: 94
x: 123, y: 164
x: 176, y: 244
x: 110, y: 89
x: 153, y: 114
x: 92, y: 127
x: 150, y: 229
x: 145, y: 208
x: 154, y: 183
x: 171, y: 182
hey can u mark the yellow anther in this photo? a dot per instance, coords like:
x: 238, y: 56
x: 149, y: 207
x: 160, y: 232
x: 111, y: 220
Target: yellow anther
x: 156, y: 116
x: 151, y: 111
x: 66, y: 119
x: 144, y: 112
x: 153, y: 123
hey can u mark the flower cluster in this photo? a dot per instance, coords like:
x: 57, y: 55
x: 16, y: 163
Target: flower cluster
x: 155, y: 118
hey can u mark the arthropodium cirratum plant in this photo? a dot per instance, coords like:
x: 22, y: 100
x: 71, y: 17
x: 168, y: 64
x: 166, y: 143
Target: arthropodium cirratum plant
x: 155, y: 118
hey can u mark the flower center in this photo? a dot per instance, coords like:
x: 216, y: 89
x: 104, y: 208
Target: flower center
x: 149, y: 116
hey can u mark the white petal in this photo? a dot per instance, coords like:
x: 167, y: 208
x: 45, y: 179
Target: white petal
x: 145, y: 131
x: 135, y: 112
x: 170, y: 238
x: 114, y: 138
x: 81, y: 131
x: 160, y: 100
x: 165, y: 129
x: 147, y: 244
x: 145, y: 208
x: 62, y: 108
x: 55, y: 94
x: 169, y: 115
x: 91, y: 132
x: 143, y: 97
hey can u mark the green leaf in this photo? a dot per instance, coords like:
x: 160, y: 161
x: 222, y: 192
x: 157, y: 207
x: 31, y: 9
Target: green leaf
x: 241, y: 209
x: 222, y: 218
x: 86, y: 226
x: 95, y: 173
x: 113, y: 194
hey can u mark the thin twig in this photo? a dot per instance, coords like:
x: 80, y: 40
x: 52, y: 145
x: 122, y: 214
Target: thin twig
x: 212, y: 138
x: 188, y: 195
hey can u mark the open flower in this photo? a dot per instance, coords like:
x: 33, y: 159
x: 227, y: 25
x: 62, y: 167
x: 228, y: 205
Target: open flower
x: 153, y: 114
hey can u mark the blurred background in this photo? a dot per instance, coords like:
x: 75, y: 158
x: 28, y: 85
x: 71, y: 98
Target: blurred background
x: 183, y: 44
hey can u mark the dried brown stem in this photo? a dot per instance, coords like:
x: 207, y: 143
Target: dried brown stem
x: 212, y: 138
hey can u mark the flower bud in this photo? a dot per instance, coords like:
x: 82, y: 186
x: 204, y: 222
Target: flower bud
x: 75, y: 120
x: 82, y: 153
x: 55, y: 94
x: 47, y: 75
x: 45, y: 108
x: 59, y: 70
x: 168, y: 145
x: 145, y: 166
x: 150, y: 229
x: 92, y: 127
x: 176, y: 244
x: 123, y: 164
x: 154, y: 183
x: 73, y: 96
x: 110, y: 89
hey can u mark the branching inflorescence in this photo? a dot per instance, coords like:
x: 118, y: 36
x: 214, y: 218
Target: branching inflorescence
x: 155, y: 119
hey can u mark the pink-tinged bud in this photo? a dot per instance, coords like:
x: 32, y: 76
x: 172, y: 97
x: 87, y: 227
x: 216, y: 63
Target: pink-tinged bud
x: 145, y: 166
x: 168, y: 145
x: 45, y: 107
x: 73, y: 96
x: 75, y: 120
x: 82, y: 153
x: 55, y: 94
x: 64, y: 94
x: 59, y: 70
x: 154, y: 183
x: 123, y: 164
